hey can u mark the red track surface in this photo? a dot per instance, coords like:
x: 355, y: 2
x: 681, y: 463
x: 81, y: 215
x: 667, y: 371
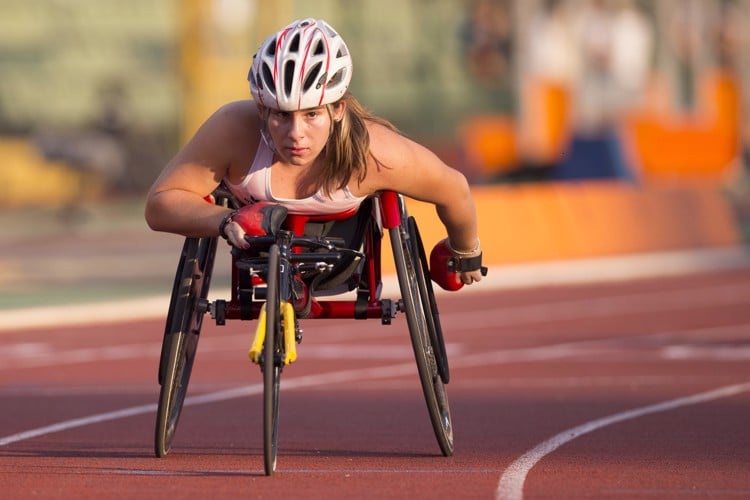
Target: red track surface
x: 625, y: 390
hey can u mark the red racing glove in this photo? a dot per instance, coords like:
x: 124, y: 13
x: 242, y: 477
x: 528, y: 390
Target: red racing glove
x: 260, y: 218
x: 446, y: 266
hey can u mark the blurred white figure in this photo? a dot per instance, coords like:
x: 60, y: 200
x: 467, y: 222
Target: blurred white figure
x: 595, y: 82
x: 551, y: 47
x: 632, y: 45
x: 615, y: 41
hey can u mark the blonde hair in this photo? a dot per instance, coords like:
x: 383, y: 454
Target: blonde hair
x: 348, y: 148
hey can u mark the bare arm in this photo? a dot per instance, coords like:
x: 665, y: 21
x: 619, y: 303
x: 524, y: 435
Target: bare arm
x: 176, y: 201
x: 416, y: 172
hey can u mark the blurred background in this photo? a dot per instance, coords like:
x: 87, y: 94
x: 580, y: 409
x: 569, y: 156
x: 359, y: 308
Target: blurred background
x: 642, y: 103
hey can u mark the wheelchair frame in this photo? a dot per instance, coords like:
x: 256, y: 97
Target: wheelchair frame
x: 271, y: 283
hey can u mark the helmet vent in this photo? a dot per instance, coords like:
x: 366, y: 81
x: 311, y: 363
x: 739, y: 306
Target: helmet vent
x: 268, y: 78
x: 294, y: 44
x: 319, y: 48
x: 337, y: 77
x: 288, y: 77
x: 310, y: 79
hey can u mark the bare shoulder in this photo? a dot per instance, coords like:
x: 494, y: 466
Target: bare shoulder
x: 401, y: 164
x: 393, y: 148
x: 222, y: 145
x: 392, y: 152
x: 383, y: 137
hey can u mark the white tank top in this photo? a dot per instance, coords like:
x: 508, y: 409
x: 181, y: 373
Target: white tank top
x: 256, y: 186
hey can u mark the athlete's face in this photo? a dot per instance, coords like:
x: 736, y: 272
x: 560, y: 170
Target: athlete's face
x: 300, y: 136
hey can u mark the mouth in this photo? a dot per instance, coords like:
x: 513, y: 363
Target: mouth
x: 296, y: 150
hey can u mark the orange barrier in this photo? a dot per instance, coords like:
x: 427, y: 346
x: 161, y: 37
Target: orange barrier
x: 557, y: 221
x: 493, y: 143
x: 489, y: 144
x: 545, y: 121
x: 701, y: 145
x: 662, y: 143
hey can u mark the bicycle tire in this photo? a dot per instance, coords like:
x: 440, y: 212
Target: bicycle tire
x: 429, y: 303
x: 271, y: 362
x: 433, y: 387
x: 182, y: 331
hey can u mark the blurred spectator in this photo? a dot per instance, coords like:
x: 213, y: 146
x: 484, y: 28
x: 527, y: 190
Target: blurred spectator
x: 729, y: 39
x: 487, y: 38
x: 100, y: 148
x: 616, y: 43
x: 632, y: 53
x: 613, y: 43
x: 549, y: 72
x: 551, y: 52
x: 686, y: 35
x: 594, y: 26
x: 728, y: 34
x: 112, y: 116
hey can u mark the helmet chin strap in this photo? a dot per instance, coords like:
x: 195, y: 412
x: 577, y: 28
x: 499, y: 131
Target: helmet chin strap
x: 267, y: 138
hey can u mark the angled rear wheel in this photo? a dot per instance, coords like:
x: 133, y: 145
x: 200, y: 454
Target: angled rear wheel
x: 424, y: 330
x: 429, y: 304
x: 187, y: 306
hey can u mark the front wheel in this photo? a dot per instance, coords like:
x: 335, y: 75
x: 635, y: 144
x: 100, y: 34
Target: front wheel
x: 416, y: 305
x: 272, y: 362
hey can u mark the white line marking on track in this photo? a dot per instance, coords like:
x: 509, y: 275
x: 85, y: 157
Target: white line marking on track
x: 503, y: 356
x: 293, y: 383
x: 555, y: 351
x: 77, y: 422
x: 565, y: 272
x: 226, y: 472
x: 512, y: 481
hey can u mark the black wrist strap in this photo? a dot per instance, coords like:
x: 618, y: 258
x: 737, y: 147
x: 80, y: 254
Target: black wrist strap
x: 463, y: 264
x: 223, y: 224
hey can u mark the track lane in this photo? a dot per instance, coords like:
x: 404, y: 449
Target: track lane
x: 543, y: 361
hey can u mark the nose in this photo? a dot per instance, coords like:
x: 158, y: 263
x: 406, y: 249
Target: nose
x: 296, y: 124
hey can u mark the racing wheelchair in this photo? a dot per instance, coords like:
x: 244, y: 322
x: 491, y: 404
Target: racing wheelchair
x: 292, y: 263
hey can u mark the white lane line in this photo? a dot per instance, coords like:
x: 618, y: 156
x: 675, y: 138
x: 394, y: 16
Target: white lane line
x: 500, y: 277
x: 382, y: 372
x: 77, y: 422
x: 225, y: 472
x: 555, y: 351
x: 293, y: 383
x: 601, y: 307
x: 45, y: 355
x: 512, y: 481
x: 30, y: 355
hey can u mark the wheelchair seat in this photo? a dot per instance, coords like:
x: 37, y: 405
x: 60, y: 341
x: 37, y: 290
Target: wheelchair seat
x: 345, y: 275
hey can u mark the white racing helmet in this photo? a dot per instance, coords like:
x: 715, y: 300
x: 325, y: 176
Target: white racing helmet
x: 305, y: 65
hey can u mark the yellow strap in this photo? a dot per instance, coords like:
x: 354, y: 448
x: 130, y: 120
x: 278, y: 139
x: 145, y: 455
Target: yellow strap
x: 290, y: 343
x: 260, y: 335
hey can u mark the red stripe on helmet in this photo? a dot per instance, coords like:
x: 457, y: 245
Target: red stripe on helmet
x: 279, y: 41
x: 303, y: 66
x: 328, y: 65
